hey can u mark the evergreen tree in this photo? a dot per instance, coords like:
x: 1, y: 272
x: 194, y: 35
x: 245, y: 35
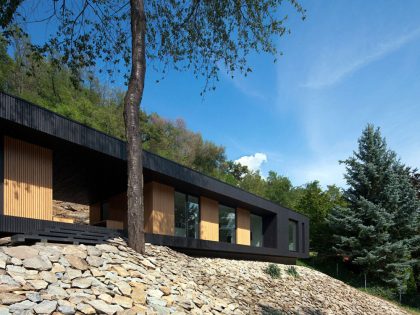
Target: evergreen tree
x: 378, y: 227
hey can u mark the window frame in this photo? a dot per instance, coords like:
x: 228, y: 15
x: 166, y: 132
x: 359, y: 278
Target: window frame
x: 296, y: 235
x: 236, y: 223
x: 185, y: 212
x: 262, y: 229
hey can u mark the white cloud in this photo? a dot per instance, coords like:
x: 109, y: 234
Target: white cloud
x: 254, y: 162
x: 336, y: 64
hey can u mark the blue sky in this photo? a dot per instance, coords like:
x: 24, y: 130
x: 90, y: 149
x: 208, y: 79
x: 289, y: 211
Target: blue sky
x: 348, y: 64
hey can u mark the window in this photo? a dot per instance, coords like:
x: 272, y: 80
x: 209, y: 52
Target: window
x: 227, y: 224
x: 292, y: 235
x: 187, y: 212
x: 256, y: 230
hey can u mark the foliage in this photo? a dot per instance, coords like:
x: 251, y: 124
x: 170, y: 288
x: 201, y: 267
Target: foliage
x: 199, y: 36
x: 273, y: 271
x: 378, y: 228
x: 317, y: 204
x: 292, y: 271
x: 101, y: 107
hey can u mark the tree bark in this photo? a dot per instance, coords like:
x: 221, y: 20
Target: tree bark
x: 132, y: 103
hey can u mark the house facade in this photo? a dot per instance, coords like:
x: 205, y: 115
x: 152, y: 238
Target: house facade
x: 46, y: 157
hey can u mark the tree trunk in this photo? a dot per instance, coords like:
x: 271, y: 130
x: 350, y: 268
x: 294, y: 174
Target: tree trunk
x: 132, y: 101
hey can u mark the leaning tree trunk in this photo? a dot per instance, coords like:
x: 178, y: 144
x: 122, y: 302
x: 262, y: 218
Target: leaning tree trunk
x: 132, y: 100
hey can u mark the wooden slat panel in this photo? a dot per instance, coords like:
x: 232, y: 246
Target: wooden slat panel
x: 243, y: 229
x: 163, y: 209
x: 209, y: 224
x: 27, y: 180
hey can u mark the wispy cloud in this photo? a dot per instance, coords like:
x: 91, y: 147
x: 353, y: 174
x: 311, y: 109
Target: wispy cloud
x: 334, y: 66
x: 243, y: 84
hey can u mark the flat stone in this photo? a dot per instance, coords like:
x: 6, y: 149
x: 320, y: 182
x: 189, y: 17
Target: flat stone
x: 4, y: 310
x: 21, y: 306
x: 38, y: 284
x: 56, y: 292
x: 120, y: 271
x: 45, y: 307
x: 58, y: 268
x: 77, y: 262
x: 74, y: 251
x: 21, y: 252
x: 85, y: 308
x: 34, y: 297
x: 73, y: 273
x: 122, y: 301
x: 16, y: 261
x: 38, y: 263
x: 165, y: 290
x: 103, y: 307
x: 138, y: 295
x: 93, y: 251
x: 82, y: 283
x: 95, y: 261
x: 11, y: 298
x: 155, y: 293
x: 107, y: 248
x: 147, y: 263
x: 50, y: 277
x: 66, y: 308
x: 105, y: 297
x: 155, y: 301
x: 135, y: 310
x: 124, y: 287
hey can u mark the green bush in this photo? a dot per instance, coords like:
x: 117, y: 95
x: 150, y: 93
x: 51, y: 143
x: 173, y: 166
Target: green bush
x: 273, y: 271
x: 292, y: 271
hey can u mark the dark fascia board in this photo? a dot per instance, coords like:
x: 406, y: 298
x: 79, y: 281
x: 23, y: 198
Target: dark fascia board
x: 30, y: 115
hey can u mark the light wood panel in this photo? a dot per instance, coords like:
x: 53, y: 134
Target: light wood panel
x: 27, y: 180
x: 209, y: 224
x: 243, y: 228
x: 159, y: 209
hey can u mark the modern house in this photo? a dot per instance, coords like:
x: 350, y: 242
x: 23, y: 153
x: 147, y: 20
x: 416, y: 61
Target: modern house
x: 46, y: 157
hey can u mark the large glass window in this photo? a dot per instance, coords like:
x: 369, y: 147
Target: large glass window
x: 292, y: 235
x: 187, y: 211
x: 227, y: 224
x: 256, y: 230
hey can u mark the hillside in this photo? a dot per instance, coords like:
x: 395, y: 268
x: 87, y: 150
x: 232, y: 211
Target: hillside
x: 111, y: 278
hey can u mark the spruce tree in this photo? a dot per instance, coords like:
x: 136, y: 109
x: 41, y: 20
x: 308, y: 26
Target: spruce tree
x: 377, y: 229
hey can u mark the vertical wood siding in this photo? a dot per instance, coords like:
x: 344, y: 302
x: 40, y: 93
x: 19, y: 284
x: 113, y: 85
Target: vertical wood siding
x: 243, y: 221
x: 27, y: 180
x: 209, y: 224
x: 159, y: 209
x: 148, y: 207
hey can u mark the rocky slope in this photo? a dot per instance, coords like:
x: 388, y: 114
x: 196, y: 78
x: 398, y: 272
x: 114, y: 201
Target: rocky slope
x: 68, y: 210
x: 111, y: 278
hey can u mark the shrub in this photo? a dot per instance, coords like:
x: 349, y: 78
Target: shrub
x: 273, y: 271
x: 292, y: 271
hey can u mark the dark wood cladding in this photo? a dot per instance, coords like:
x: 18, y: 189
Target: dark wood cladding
x: 218, y: 249
x: 13, y: 225
x: 55, y: 131
x: 32, y: 116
